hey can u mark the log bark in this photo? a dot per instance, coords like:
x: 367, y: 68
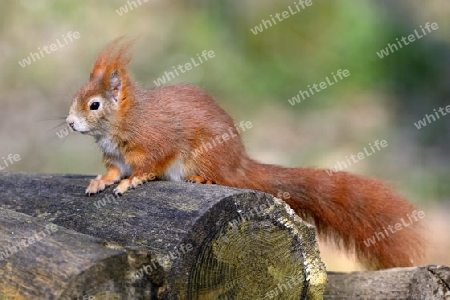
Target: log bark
x: 427, y: 282
x: 163, y: 240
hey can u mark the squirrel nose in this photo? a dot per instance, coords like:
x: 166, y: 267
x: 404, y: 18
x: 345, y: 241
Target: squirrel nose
x: 70, y: 120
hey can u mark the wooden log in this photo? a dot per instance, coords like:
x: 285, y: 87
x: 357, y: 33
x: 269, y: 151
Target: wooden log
x: 39, y: 260
x: 180, y: 240
x: 427, y: 282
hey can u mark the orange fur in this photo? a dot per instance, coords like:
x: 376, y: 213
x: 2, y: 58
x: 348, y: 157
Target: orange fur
x: 162, y: 133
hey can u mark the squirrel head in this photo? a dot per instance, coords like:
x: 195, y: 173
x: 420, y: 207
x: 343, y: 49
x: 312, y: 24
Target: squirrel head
x: 97, y: 105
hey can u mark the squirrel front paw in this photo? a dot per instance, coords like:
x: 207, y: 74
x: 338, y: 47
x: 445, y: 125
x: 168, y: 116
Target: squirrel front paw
x: 95, y: 186
x: 130, y: 183
x: 123, y: 186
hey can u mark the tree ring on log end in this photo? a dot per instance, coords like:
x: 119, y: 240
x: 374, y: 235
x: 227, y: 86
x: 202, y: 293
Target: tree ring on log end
x: 254, y: 256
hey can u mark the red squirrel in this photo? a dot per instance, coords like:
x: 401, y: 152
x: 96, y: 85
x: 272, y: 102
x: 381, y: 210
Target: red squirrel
x: 154, y: 134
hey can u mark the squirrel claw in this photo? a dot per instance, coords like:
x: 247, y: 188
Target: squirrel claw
x: 89, y: 193
x: 123, y: 186
x: 95, y: 186
x: 117, y: 192
x: 199, y: 179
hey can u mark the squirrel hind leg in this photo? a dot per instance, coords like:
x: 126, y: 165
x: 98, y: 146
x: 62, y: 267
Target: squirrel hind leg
x: 199, y: 179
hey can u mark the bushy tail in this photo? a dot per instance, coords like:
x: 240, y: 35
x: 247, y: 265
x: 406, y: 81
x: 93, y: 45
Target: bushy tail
x: 362, y: 215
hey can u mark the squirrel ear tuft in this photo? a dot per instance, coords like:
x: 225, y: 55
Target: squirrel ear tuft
x: 103, y: 58
x: 112, y: 57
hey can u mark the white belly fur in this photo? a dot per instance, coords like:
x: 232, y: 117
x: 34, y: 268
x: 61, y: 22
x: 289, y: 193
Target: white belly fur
x: 175, y: 171
x: 110, y: 148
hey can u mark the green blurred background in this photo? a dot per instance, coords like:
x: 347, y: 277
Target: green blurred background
x: 252, y: 77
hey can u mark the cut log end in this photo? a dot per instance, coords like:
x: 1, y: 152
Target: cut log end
x: 259, y: 258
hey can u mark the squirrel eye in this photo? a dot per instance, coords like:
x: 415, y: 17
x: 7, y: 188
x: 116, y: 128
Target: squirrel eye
x: 94, y: 105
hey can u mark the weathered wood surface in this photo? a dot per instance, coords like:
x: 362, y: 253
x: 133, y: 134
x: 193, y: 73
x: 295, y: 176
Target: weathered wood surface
x: 39, y: 260
x: 427, y: 282
x: 163, y: 240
